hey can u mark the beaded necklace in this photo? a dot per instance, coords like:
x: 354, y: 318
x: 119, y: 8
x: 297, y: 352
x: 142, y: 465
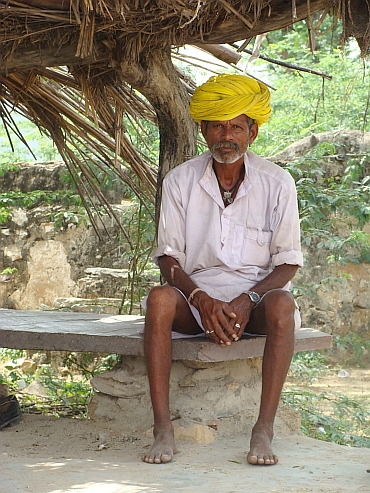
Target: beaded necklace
x: 229, y: 195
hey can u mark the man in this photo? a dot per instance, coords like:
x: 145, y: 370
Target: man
x: 228, y: 246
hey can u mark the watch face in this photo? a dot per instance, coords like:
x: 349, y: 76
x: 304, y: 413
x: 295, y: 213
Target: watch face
x: 254, y: 297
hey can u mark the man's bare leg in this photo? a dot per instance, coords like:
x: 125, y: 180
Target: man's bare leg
x: 277, y: 312
x: 165, y: 307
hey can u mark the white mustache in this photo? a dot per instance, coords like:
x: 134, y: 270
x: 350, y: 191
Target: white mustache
x: 225, y: 145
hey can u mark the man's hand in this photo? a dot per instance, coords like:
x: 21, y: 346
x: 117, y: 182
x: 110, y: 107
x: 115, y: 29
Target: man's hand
x: 218, y: 318
x: 242, y: 306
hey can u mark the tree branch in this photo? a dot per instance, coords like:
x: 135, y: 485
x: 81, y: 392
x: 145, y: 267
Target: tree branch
x: 285, y: 64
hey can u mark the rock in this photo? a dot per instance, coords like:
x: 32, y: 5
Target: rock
x: 88, y: 305
x: 120, y: 385
x: 4, y: 390
x: 195, y: 434
x: 200, y: 434
x: 36, y: 388
x: 28, y: 366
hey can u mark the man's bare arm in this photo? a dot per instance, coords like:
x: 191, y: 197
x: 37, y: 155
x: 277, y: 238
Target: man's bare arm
x: 175, y: 275
x: 277, y: 279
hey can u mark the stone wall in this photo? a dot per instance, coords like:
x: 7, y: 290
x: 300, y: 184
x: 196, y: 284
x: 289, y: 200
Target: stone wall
x: 57, y: 266
x: 54, y: 264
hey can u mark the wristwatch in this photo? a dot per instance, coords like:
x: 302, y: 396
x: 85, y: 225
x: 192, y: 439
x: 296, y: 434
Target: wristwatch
x: 255, y: 297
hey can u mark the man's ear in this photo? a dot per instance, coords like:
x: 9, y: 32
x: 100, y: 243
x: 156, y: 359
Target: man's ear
x: 203, y: 128
x: 253, y: 132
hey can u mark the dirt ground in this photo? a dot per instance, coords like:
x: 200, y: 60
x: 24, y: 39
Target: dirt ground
x: 49, y: 455
x: 355, y: 384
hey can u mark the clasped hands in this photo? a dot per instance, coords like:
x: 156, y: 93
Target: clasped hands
x: 223, y: 322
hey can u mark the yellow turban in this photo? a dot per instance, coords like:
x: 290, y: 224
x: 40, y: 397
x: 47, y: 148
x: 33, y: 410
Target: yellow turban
x: 225, y: 97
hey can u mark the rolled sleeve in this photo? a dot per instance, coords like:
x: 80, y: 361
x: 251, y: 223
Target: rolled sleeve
x: 292, y: 257
x: 170, y: 252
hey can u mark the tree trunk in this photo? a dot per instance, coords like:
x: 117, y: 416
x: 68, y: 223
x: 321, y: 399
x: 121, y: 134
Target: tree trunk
x: 157, y: 80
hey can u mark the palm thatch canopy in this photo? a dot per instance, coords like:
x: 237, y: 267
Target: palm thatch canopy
x: 80, y: 68
x: 65, y: 31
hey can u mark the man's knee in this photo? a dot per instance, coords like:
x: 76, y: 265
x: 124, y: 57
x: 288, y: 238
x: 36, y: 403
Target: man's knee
x: 280, y: 307
x: 161, y: 296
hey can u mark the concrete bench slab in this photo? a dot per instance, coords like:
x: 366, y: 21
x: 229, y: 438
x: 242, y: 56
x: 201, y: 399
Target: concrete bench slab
x: 121, y: 334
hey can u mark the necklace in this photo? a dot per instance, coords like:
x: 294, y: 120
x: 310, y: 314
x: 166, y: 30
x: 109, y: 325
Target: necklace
x: 229, y: 195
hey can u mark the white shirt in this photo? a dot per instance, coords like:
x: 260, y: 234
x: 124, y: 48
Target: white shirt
x: 227, y: 250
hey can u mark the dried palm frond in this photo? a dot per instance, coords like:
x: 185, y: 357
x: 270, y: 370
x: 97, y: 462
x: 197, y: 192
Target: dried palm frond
x: 88, y: 133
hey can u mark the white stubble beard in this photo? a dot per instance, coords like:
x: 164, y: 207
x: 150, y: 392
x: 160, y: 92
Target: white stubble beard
x: 230, y: 158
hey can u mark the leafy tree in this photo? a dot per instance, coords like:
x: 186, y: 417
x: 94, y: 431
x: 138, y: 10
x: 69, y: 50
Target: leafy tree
x: 333, y: 211
x: 304, y: 103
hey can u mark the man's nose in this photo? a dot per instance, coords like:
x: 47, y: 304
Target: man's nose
x: 227, y: 132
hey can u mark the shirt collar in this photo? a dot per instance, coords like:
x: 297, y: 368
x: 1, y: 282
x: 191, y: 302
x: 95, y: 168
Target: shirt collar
x: 209, y: 181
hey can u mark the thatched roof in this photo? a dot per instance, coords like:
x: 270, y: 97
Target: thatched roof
x: 113, y: 46
x: 112, y: 30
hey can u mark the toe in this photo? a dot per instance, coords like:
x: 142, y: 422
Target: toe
x: 252, y: 459
x: 262, y: 460
x: 166, y: 458
x: 157, y: 459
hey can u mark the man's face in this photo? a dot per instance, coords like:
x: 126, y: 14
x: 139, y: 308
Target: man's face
x: 228, y: 140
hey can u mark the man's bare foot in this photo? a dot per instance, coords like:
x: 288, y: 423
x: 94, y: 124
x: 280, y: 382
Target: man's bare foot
x: 163, y: 447
x: 260, y: 448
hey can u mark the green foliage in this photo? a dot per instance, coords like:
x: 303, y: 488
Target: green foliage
x: 10, y: 374
x: 33, y: 199
x: 311, y: 288
x: 9, y: 270
x: 350, y: 349
x: 9, y: 357
x: 308, y: 366
x: 63, y: 219
x: 11, y: 354
x: 144, y: 135
x: 67, y: 394
x: 90, y: 364
x: 41, y: 145
x: 304, y: 103
x: 140, y: 227
x: 8, y: 168
x: 331, y: 418
x: 333, y: 210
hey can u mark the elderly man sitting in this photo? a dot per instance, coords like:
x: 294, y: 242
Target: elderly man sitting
x: 228, y: 247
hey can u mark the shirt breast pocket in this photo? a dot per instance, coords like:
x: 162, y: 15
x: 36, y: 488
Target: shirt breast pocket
x: 256, y: 247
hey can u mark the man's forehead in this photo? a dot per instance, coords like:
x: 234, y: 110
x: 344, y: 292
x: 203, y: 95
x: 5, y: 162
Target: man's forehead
x: 237, y: 119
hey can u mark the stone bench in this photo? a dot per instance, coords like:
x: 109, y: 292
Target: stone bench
x: 212, y: 387
x: 120, y: 334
